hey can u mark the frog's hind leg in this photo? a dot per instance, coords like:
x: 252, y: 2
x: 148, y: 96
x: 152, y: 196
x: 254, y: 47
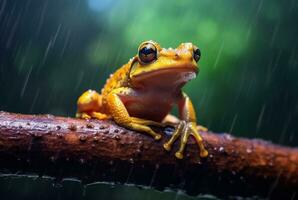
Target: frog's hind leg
x: 90, y: 106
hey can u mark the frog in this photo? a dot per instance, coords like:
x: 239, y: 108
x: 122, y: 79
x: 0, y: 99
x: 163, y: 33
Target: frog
x: 142, y: 93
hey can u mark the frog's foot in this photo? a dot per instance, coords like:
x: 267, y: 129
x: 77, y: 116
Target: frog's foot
x: 184, y: 129
x: 83, y: 115
x: 95, y: 115
x: 141, y: 125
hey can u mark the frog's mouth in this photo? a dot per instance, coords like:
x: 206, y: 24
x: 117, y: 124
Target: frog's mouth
x: 166, y: 77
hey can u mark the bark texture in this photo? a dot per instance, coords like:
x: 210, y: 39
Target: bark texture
x: 94, y: 150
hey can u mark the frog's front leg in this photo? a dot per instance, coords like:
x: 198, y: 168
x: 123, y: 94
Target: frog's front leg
x: 187, y: 126
x: 122, y: 117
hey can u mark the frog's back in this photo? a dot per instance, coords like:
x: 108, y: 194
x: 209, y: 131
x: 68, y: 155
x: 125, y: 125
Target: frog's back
x: 118, y: 79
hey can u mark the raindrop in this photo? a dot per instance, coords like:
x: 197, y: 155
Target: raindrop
x: 260, y: 118
x: 131, y: 161
x: 37, y: 135
x: 84, y: 191
x: 141, y: 144
x: 154, y: 174
x: 52, y: 158
x: 66, y: 41
x: 82, y: 161
x: 228, y: 136
x: 218, y: 55
x: 129, y: 173
x: 2, y: 7
x: 79, y: 79
x: 138, y: 152
x: 117, y: 137
x: 95, y: 138
x: 26, y: 81
x: 59, y: 135
x: 275, y: 31
x: 49, y: 116
x: 83, y: 138
x: 233, y: 123
x: 221, y: 149
x: 178, y: 193
x: 56, y: 34
x: 47, y: 51
x: 30, y: 145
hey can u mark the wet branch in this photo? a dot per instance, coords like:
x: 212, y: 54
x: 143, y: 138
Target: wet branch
x: 102, y: 151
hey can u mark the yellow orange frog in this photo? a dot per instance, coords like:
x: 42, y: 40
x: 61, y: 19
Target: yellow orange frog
x: 142, y: 93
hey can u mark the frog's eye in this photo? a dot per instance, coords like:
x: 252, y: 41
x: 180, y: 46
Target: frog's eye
x: 196, y: 54
x: 147, y: 53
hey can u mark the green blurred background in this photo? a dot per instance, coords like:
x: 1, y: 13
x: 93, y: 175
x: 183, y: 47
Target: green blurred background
x: 51, y: 51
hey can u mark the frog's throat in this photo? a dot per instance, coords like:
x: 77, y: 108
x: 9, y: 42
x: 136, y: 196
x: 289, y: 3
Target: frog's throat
x: 165, y: 78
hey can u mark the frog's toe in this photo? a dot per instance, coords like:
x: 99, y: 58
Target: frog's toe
x: 179, y: 155
x: 183, y: 130
x: 195, y: 133
x: 157, y: 137
x: 144, y: 128
x: 167, y: 146
x: 83, y: 115
x: 203, y: 153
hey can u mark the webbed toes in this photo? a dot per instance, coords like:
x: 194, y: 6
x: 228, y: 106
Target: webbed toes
x: 184, y: 129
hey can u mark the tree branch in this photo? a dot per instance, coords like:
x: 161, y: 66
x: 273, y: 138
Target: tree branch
x: 102, y: 151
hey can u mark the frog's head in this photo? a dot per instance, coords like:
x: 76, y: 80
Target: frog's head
x: 164, y: 68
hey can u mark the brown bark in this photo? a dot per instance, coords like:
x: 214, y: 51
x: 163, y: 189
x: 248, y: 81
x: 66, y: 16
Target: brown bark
x: 102, y: 151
